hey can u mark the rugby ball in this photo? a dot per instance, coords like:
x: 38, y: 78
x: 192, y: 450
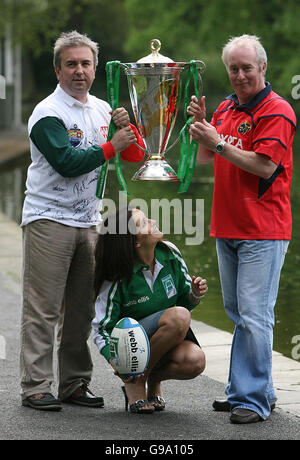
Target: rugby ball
x: 129, y: 348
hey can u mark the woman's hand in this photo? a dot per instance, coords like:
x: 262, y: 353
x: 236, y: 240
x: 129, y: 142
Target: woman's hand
x: 199, y: 286
x: 131, y: 379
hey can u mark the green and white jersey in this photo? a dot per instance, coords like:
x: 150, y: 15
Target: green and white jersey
x: 65, y: 138
x: 147, y: 293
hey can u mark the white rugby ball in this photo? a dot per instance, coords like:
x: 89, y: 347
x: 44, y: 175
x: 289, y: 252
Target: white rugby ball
x: 129, y: 347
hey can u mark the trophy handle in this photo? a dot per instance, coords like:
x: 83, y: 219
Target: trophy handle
x: 200, y: 68
x: 140, y: 147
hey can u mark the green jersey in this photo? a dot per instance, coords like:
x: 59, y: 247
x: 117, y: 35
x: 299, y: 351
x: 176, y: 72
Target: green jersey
x: 147, y: 293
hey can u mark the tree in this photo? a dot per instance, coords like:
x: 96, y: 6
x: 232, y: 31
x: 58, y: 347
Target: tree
x: 198, y: 29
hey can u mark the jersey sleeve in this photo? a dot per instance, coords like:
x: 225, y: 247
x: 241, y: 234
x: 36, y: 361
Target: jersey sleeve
x: 107, y: 309
x: 183, y: 279
x: 50, y: 136
x: 274, y: 130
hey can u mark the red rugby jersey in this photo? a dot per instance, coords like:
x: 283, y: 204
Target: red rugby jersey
x: 246, y: 206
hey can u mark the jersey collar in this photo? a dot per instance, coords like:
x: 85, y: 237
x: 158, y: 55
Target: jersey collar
x: 162, y: 255
x: 257, y: 98
x: 71, y: 101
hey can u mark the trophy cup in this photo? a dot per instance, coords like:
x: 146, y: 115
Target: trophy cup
x: 154, y: 86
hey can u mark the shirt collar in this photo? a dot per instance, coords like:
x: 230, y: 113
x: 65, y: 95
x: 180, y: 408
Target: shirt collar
x: 162, y: 254
x: 71, y: 101
x: 256, y: 99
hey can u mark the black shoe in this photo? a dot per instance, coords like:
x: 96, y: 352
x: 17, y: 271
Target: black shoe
x: 45, y: 402
x: 222, y: 405
x: 240, y: 415
x: 84, y: 397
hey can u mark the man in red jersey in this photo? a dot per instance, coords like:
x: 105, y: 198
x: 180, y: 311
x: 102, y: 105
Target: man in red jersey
x: 250, y: 139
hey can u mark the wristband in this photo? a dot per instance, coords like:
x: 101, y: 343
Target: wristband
x: 196, y: 297
x: 108, y: 150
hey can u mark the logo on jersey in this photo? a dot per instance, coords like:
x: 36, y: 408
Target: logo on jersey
x: 169, y: 286
x: 244, y: 127
x: 104, y: 131
x: 76, y: 136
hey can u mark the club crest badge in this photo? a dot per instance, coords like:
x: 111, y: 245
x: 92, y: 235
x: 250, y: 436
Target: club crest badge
x: 169, y: 286
x: 244, y: 127
x: 76, y: 136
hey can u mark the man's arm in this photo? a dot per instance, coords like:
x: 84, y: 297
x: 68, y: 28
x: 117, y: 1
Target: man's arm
x: 50, y: 136
x: 250, y: 161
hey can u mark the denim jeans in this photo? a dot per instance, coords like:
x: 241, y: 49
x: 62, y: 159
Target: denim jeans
x: 250, y: 274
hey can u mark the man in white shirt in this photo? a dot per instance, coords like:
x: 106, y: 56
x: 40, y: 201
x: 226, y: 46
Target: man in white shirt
x: 68, y: 142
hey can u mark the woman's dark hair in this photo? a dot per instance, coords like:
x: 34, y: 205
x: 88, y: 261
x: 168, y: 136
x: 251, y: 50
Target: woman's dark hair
x: 115, y: 251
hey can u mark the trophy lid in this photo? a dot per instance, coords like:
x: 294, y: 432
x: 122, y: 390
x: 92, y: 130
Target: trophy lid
x: 155, y: 56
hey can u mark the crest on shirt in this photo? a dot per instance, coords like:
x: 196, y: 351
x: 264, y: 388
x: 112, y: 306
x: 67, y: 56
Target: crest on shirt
x: 244, y: 127
x: 169, y: 286
x: 75, y: 135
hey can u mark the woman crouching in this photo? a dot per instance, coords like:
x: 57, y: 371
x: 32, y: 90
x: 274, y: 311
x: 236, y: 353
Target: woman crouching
x: 145, y: 278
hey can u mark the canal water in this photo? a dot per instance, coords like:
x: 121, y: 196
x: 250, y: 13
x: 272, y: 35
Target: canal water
x: 194, y: 207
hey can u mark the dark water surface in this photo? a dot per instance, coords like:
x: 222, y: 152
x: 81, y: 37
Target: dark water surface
x: 200, y: 258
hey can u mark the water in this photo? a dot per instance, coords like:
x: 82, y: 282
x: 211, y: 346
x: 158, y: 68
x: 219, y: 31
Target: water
x: 201, y: 259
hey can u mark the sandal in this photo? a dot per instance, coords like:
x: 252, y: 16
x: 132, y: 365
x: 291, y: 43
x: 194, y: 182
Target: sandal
x: 158, y: 402
x: 138, y: 407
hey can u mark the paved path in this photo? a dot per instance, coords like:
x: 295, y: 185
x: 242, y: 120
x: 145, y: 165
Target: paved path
x: 189, y: 415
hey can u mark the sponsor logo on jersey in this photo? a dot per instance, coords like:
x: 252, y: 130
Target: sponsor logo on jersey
x: 244, y: 127
x: 76, y: 136
x: 145, y: 298
x: 236, y: 141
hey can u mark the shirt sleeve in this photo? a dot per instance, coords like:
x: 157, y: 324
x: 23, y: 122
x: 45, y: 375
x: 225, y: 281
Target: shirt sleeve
x: 50, y: 136
x: 107, y: 309
x: 274, y: 130
x: 184, y: 280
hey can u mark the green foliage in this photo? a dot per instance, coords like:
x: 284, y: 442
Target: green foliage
x: 34, y: 23
x: 198, y: 29
x: 189, y: 29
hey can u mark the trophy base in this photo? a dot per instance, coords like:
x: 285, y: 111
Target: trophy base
x: 155, y: 169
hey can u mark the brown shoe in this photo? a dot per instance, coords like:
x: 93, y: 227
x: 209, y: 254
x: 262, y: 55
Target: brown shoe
x: 42, y: 401
x: 240, y: 415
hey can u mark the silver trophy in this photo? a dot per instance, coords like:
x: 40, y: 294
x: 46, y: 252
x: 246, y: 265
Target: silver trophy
x: 154, y: 86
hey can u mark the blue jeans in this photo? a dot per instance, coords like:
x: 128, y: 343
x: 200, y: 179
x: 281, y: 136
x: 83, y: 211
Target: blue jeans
x: 250, y: 274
